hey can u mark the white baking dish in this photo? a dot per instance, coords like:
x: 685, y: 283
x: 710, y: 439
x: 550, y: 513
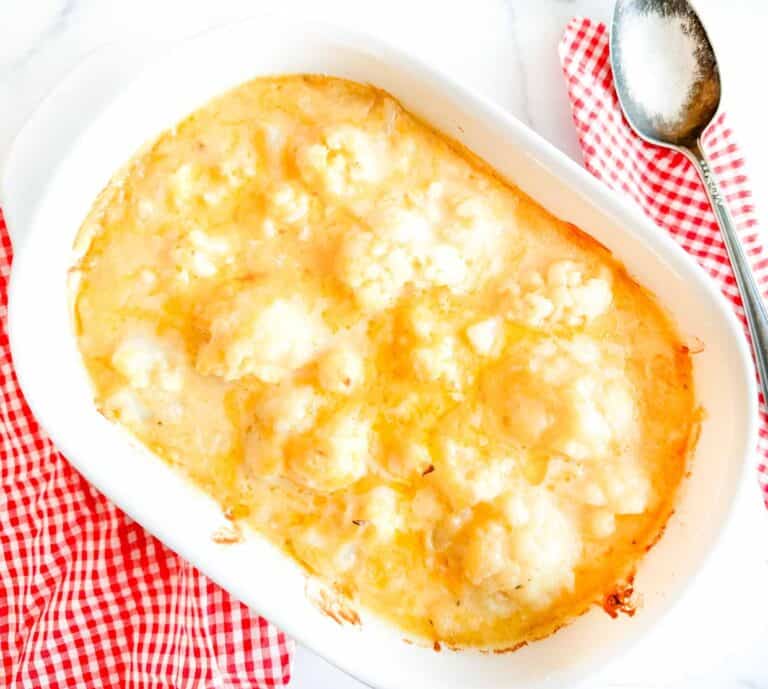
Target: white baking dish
x: 51, y: 179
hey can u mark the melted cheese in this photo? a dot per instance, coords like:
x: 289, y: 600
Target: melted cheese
x: 455, y: 408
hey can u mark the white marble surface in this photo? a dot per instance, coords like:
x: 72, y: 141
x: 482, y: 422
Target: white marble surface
x: 717, y: 638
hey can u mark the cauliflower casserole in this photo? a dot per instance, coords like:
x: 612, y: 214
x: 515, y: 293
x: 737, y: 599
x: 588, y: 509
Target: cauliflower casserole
x: 454, y: 409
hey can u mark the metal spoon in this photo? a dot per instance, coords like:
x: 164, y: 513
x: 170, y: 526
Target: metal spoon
x: 681, y: 127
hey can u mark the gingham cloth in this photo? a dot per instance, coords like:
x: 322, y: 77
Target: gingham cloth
x: 662, y: 182
x: 89, y: 599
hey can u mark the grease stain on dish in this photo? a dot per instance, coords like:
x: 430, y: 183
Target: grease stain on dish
x: 621, y: 600
x: 331, y: 603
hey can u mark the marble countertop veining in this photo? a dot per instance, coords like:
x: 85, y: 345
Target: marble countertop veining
x: 717, y: 637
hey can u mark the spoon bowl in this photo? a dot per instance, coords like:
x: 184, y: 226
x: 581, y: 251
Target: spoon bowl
x: 647, y: 53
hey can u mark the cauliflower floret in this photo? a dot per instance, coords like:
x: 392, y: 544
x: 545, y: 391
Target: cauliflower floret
x: 291, y: 409
x: 594, y: 404
x: 484, y: 335
x: 579, y: 299
x: 147, y: 208
x: 573, y: 395
x: 532, y: 556
x: 429, y: 200
x: 400, y: 248
x: 620, y: 486
x: 345, y: 557
x: 341, y: 370
x: 486, y: 556
x: 546, y: 550
x: 185, y: 183
x: 346, y: 158
x: 599, y: 412
x: 381, y: 507
x: 392, y: 222
x: 426, y: 510
x: 558, y: 362
x: 594, y: 495
x: 268, y: 342
x: 422, y: 321
x: 628, y: 488
x: 583, y: 303
x: 274, y: 138
x: 333, y: 456
x: 374, y: 270
x: 125, y: 406
x: 268, y: 228
x: 526, y: 417
x: 516, y: 510
x: 566, y: 296
x: 146, y: 360
x: 618, y: 407
x: 583, y: 351
x: 239, y: 155
x: 215, y: 194
x: 200, y: 255
x: 583, y: 428
x: 602, y: 523
x: 191, y: 182
x: 478, y: 233
x: 564, y: 274
x: 466, y: 477
x: 445, y: 267
x: 289, y: 204
x: 437, y: 362
x: 148, y: 278
x: 537, y: 309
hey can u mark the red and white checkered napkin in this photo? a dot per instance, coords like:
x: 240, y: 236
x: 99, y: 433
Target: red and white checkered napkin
x: 662, y: 182
x: 90, y: 599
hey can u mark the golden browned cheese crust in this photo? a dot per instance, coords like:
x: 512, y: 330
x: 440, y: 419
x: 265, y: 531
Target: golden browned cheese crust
x: 455, y: 409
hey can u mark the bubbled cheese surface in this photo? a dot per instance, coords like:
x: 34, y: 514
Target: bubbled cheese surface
x: 454, y: 408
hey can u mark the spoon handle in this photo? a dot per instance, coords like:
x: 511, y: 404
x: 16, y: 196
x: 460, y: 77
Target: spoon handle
x: 754, y: 306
